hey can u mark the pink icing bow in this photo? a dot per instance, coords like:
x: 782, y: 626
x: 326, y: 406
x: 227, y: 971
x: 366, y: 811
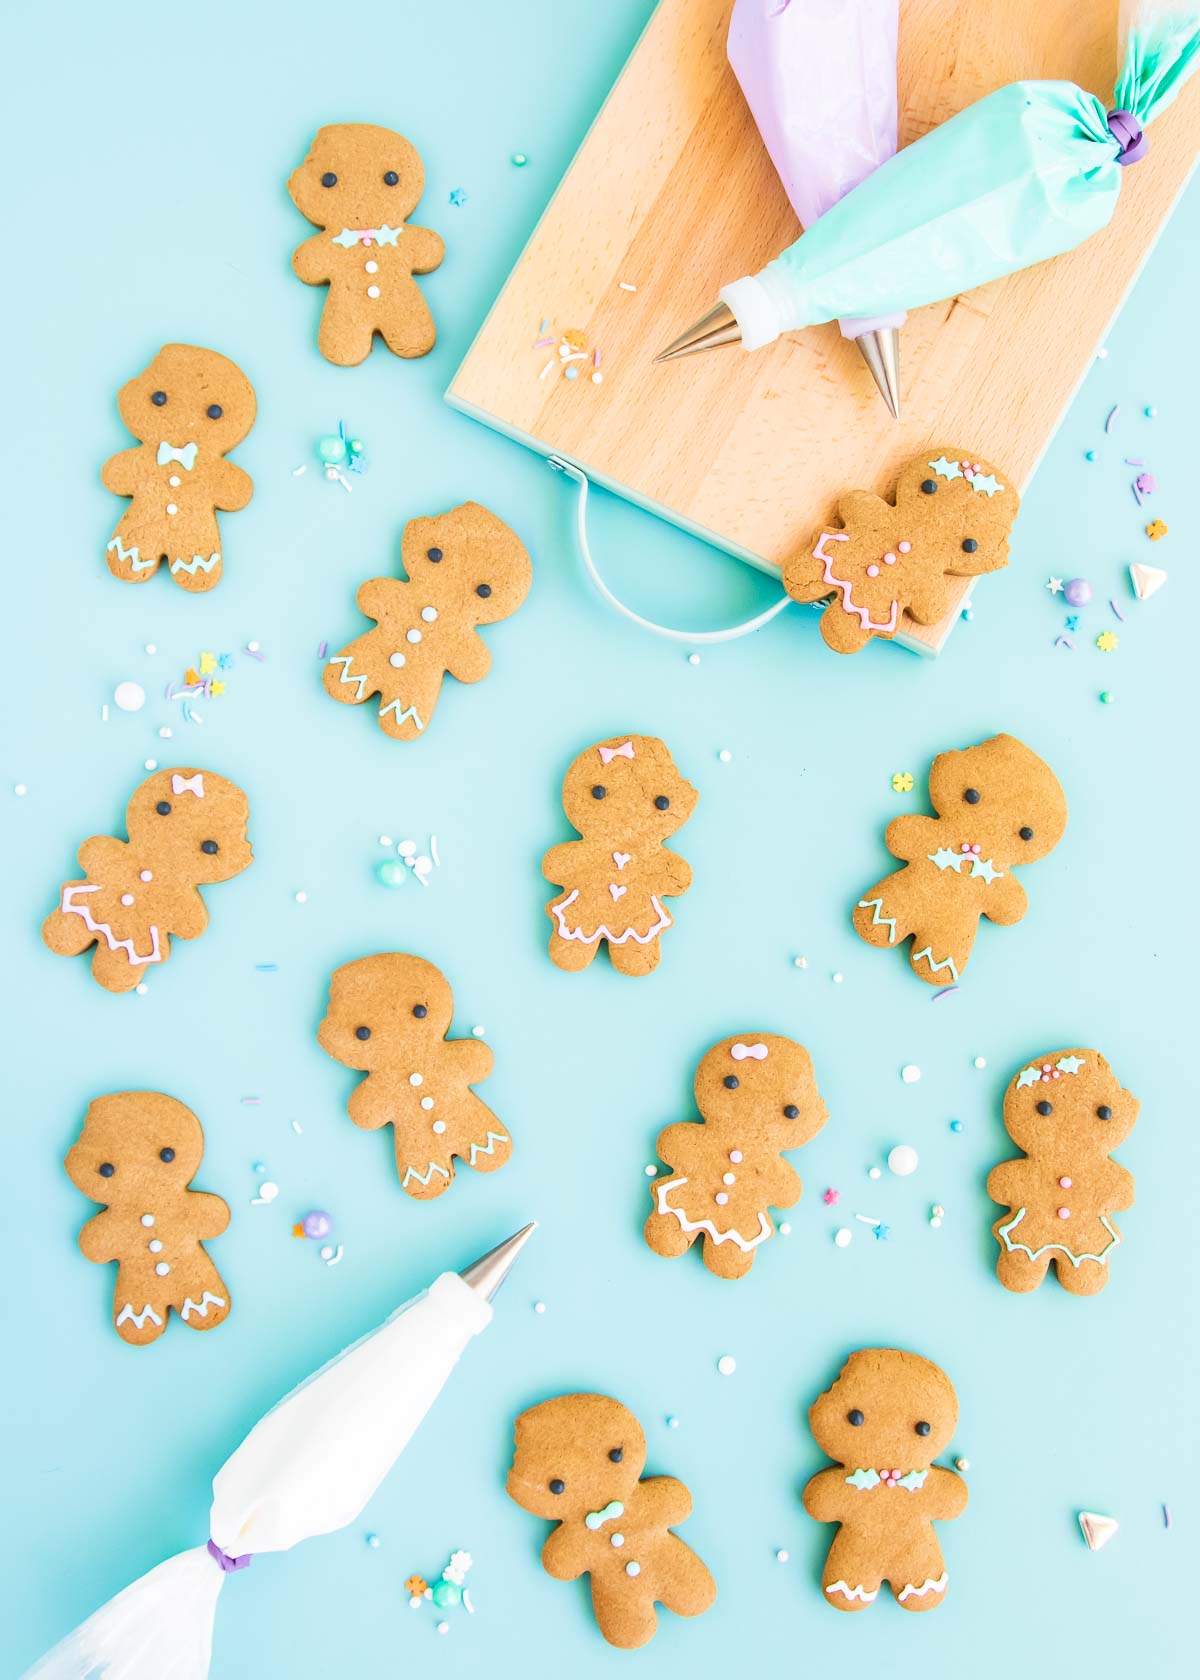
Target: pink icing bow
x: 608, y: 753
x: 188, y: 784
x: 752, y: 1052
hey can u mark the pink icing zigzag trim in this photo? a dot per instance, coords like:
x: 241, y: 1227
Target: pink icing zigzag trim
x: 126, y: 945
x: 863, y: 614
x: 602, y: 932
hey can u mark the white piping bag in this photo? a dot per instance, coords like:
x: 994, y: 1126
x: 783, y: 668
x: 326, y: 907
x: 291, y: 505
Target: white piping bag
x: 308, y: 1467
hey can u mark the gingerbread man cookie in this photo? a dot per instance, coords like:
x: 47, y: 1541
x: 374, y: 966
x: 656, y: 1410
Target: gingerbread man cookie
x: 464, y: 568
x: 187, y: 829
x: 1066, y: 1110
x: 358, y: 184
x: 579, y: 1461
x: 137, y: 1153
x: 758, y: 1095
x: 626, y: 798
x: 884, y: 1421
x: 998, y: 806
x: 187, y: 410
x: 389, y: 1016
x: 951, y: 518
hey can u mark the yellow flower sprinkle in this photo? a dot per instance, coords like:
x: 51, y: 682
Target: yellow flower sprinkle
x: 902, y: 782
x: 1106, y: 641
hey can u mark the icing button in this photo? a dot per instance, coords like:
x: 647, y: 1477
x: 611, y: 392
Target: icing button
x: 429, y: 614
x: 173, y: 482
x: 372, y: 291
x: 728, y: 1178
x: 416, y: 1079
x: 412, y: 636
x: 1064, y: 1184
x: 618, y: 1539
x: 904, y: 547
x: 396, y: 659
x: 872, y: 571
x: 162, y: 1268
x: 735, y: 1156
x: 426, y: 1102
x: 145, y: 875
x: 372, y: 267
x: 439, y: 1127
x: 1064, y: 1213
x: 721, y: 1198
x: 155, y: 1246
x: 147, y: 1219
x: 171, y: 508
x: 127, y: 899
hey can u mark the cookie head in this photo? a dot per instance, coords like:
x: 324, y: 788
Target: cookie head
x: 195, y: 819
x: 189, y: 396
x: 1068, y: 1103
x: 1005, y: 800
x: 574, y: 1456
x: 135, y: 1144
x: 470, y: 562
x: 383, y: 1010
x: 764, y: 1081
x: 357, y: 176
x: 971, y: 503
x: 887, y: 1411
x: 628, y: 785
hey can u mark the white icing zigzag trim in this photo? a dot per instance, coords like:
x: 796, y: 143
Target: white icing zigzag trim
x: 138, y: 1319
x: 746, y: 1244
x: 423, y: 1178
x: 876, y: 919
x: 129, y: 555
x: 847, y: 1591
x: 602, y: 932
x: 343, y: 659
x: 71, y: 909
x: 1101, y: 1259
x: 926, y: 1586
x: 201, y: 1306
x: 392, y: 705
x: 196, y: 564
x: 488, y: 1148
x: 927, y: 956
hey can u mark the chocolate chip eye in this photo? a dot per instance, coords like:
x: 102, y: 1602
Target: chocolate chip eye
x: 158, y: 398
x: 163, y: 808
x: 929, y: 487
x: 483, y: 590
x: 972, y: 796
x: 969, y: 545
x: 557, y: 1485
x: 420, y: 1011
x: 731, y: 1082
x: 617, y: 1454
x: 1045, y: 1108
x: 1026, y: 834
x: 214, y: 411
x: 662, y: 803
x: 167, y: 1155
x: 599, y: 792
x: 329, y: 180
x: 855, y: 1418
x: 1104, y: 1112
x: 434, y: 554
x: 362, y: 1032
x: 107, y: 1169
x: 390, y: 179
x: 210, y: 847
x: 923, y: 1428
x: 791, y: 1112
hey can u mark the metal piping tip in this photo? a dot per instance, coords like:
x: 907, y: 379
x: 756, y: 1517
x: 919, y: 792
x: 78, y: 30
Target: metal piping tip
x: 486, y: 1274
x: 719, y: 326
x: 881, y: 352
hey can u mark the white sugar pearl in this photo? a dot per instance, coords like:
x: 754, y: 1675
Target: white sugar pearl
x: 727, y: 1364
x: 478, y: 1032
x: 874, y: 1172
x: 439, y: 1127
x: 429, y: 614
x: 617, y: 1539
x: 725, y: 755
x: 327, y: 1254
x: 20, y: 790
x: 693, y: 659
x: 416, y: 1079
x: 838, y: 978
x: 141, y: 988
x: 372, y: 291
x: 150, y: 648
x: 412, y: 636
x: 539, y: 1306
x: 782, y: 1556
x: 981, y: 1061
x: 162, y: 1268
x: 301, y: 898
x: 171, y: 508
x: 426, y: 1102
x: 842, y: 1238
x: 651, y: 1172
x: 407, y: 848
x: 164, y: 733
x: 962, y: 1463
x: 902, y: 1160
x: 372, y: 268
x: 785, y: 1230
x: 151, y: 764
x: 910, y: 1073
x: 156, y: 1247
x: 443, y: 1627
x: 129, y: 696
x: 251, y: 647
x: 147, y: 1219
x: 174, y: 483
x: 799, y: 962
x: 397, y: 660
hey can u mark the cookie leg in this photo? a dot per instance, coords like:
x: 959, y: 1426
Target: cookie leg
x: 409, y: 331
x: 878, y: 915
x: 624, y: 1614
x: 571, y: 954
x: 631, y: 958
x: 687, y: 1588
x: 1018, y: 1272
x: 197, y: 573
x: 1088, y: 1278
x: 842, y: 632
x: 206, y: 1299
x: 726, y: 1259
x: 666, y: 1236
x: 918, y: 1577
x: 343, y: 338
x: 114, y: 971
x: 138, y: 1322
x: 850, y: 1581
x: 65, y: 934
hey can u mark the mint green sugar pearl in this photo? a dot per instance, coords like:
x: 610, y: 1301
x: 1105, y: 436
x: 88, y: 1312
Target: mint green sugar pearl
x: 331, y: 449
x: 390, y: 873
x: 446, y: 1595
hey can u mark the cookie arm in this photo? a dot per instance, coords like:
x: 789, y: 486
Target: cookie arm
x: 188, y: 916
x: 662, y: 1499
x: 1118, y: 1187
x: 119, y: 473
x: 101, y: 856
x: 1004, y: 1182
x: 471, y: 661
x: 1004, y: 901
x: 558, y: 865
x: 945, y: 1495
x: 423, y: 248
x: 98, y: 1238
x: 209, y: 1214
x: 377, y: 596
x: 366, y: 1108
x: 233, y: 488
x: 562, y: 1556
x: 676, y: 874
x: 910, y: 837
x: 312, y: 262
x: 824, y: 1495
x: 470, y: 1059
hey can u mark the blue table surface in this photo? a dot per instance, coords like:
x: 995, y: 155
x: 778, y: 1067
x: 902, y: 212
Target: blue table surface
x: 145, y: 175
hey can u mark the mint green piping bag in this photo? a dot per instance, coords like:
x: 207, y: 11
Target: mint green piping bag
x: 1028, y: 172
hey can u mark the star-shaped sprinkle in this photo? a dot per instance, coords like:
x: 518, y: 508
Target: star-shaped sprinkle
x: 225, y: 661
x: 191, y: 677
x: 986, y: 483
x: 216, y: 688
x: 985, y: 870
x: 458, y: 196
x: 208, y: 664
x: 882, y: 1232
x: 946, y: 469
x: 1072, y: 621
x: 831, y: 1197
x: 1054, y: 585
x: 1069, y: 1064
x: 1106, y: 641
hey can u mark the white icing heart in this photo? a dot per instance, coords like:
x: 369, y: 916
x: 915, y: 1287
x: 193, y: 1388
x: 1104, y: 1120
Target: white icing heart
x: 621, y: 858
x: 617, y: 891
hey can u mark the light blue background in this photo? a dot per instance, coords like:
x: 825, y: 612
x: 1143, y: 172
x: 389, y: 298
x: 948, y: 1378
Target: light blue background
x: 144, y: 177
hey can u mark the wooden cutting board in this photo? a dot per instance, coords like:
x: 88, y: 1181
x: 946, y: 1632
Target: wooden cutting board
x: 672, y: 192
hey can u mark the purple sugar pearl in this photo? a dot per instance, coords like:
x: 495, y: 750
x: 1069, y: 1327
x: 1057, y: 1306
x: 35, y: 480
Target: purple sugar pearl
x: 316, y: 1225
x: 1078, y: 592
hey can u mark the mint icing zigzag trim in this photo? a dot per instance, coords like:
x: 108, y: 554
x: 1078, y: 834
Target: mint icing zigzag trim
x: 935, y: 967
x: 423, y: 1178
x: 196, y: 564
x: 343, y: 659
x: 876, y: 919
x: 488, y: 1148
x: 394, y: 706
x: 129, y: 556
x: 1101, y: 1259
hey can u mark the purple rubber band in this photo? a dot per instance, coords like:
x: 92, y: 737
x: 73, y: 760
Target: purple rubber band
x: 1127, y: 131
x: 224, y: 1562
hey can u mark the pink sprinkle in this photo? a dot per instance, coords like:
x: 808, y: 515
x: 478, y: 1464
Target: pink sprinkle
x: 596, y: 357
x: 1117, y: 610
x: 1064, y: 1184
x: 540, y: 343
x: 735, y: 1156
x: 1113, y: 412
x: 889, y: 559
x: 872, y: 571
x: 321, y: 650
x: 1064, y: 1213
x: 1134, y: 461
x: 721, y: 1198
x: 904, y: 547
x: 251, y: 1102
